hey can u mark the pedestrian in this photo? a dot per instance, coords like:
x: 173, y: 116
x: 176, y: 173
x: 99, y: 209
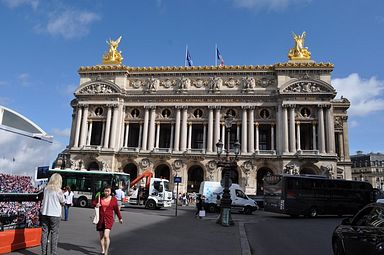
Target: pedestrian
x: 51, y: 213
x: 120, y: 196
x: 199, y: 205
x: 68, y: 201
x: 107, y: 205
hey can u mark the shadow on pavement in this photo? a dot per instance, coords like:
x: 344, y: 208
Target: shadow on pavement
x: 77, y: 248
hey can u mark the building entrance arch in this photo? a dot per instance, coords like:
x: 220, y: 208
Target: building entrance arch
x: 163, y: 171
x: 131, y: 169
x: 234, y: 175
x: 261, y: 173
x: 195, y: 177
x: 93, y: 166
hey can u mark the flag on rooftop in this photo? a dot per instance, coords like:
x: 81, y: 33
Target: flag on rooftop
x: 188, y: 58
x: 219, y: 57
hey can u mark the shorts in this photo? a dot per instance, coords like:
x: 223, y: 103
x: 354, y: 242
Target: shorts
x: 119, y: 203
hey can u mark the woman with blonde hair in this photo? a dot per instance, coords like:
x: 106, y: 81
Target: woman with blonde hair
x: 51, y: 213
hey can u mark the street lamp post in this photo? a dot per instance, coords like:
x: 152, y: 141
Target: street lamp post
x: 228, y: 164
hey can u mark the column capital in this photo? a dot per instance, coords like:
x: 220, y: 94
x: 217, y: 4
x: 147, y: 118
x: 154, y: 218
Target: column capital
x: 111, y: 105
x: 216, y: 107
x: 323, y: 105
x: 245, y: 107
x: 85, y: 105
x: 150, y: 107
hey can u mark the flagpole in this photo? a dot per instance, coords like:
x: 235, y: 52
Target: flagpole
x: 216, y: 54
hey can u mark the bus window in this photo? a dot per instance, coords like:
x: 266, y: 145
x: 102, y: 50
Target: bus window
x: 71, y: 182
x: 84, y: 184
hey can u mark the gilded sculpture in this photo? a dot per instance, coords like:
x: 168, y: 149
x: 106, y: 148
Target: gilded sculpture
x: 113, y: 56
x: 299, y: 52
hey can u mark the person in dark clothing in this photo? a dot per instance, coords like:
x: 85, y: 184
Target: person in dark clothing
x: 199, y: 204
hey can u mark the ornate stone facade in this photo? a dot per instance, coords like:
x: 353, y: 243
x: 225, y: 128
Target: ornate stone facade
x: 169, y: 119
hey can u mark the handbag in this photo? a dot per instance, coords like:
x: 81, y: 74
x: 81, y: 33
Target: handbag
x: 201, y: 213
x: 96, y: 217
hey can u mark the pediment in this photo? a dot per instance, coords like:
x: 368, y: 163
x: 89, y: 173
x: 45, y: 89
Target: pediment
x: 98, y: 87
x: 308, y: 87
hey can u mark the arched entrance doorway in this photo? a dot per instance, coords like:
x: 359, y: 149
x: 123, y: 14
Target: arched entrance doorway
x: 131, y: 169
x: 195, y: 177
x: 261, y: 173
x: 234, y: 175
x: 162, y: 171
x: 93, y: 166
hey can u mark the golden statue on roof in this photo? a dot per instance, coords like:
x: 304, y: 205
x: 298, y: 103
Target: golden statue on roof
x: 113, y: 56
x: 299, y: 52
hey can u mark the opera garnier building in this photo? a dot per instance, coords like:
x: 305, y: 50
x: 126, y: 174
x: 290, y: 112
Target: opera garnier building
x: 280, y: 118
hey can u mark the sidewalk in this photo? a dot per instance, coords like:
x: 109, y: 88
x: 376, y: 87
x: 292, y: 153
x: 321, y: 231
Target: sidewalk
x: 150, y: 232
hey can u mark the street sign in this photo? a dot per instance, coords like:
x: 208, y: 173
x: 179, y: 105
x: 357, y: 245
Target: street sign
x: 177, y: 179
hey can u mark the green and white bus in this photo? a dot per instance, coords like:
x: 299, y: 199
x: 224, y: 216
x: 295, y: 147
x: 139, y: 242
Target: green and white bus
x: 85, y: 184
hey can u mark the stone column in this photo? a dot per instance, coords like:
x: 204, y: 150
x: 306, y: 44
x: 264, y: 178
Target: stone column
x: 176, y: 145
x: 108, y: 127
x: 272, y: 137
x: 89, y: 133
x: 285, y: 130
x: 257, y: 137
x: 251, y: 131
x: 216, y: 133
x: 140, y: 135
x: 204, y: 136
x: 152, y: 128
x: 171, y: 139
x: 341, y: 146
x: 184, y: 129
x: 330, y: 131
x: 210, y: 130
x: 314, y: 136
x: 321, y: 130
x: 298, y: 136
x: 145, y: 129
x: 126, y: 135
x: 157, y: 134
x: 279, y: 131
x: 73, y: 126
x: 238, y: 132
x: 223, y: 136
x: 244, y: 138
x: 345, y: 138
x: 292, y: 138
x: 84, y: 126
x: 78, y: 124
x: 114, y: 127
x: 189, y: 136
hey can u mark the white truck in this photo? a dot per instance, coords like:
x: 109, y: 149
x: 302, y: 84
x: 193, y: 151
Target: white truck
x: 154, y: 194
x: 240, y: 201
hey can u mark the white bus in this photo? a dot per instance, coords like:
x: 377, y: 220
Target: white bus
x: 85, y: 184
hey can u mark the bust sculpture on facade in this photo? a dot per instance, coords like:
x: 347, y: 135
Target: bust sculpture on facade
x: 113, y: 56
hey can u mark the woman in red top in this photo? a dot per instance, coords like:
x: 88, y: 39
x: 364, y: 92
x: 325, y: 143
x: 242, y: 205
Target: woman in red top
x: 106, y: 206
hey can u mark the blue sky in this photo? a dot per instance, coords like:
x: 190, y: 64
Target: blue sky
x: 43, y: 44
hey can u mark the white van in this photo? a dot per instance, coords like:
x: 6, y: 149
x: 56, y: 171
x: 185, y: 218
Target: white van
x: 240, y: 201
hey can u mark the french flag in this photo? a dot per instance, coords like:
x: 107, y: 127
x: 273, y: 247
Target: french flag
x: 188, y: 58
x: 219, y: 57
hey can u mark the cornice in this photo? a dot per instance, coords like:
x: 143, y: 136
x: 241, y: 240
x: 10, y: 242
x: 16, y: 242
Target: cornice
x: 122, y: 68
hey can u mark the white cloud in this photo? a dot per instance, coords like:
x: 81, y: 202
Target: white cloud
x: 71, y: 23
x: 64, y: 133
x: 353, y: 123
x: 27, y: 153
x: 18, y: 3
x: 24, y: 79
x: 274, y: 5
x: 366, y: 95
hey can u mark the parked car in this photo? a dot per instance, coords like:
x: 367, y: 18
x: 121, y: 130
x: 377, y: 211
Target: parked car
x: 361, y: 234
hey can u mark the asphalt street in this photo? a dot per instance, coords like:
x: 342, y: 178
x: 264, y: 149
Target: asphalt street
x: 159, y: 231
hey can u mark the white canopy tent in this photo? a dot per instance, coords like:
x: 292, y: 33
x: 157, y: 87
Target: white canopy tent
x: 14, y: 122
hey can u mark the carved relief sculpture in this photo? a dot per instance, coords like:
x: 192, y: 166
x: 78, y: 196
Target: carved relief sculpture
x: 98, y: 88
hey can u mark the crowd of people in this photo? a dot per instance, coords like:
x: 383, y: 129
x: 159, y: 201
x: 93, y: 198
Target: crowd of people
x: 18, y: 214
